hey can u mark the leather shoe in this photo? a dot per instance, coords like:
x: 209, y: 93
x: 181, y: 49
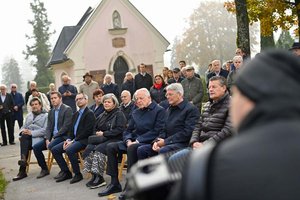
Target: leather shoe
x: 66, y: 175
x: 20, y: 176
x: 12, y: 143
x: 76, y: 178
x: 43, y: 173
x: 110, y: 189
x: 58, y: 175
x: 122, y: 196
x: 4, y: 144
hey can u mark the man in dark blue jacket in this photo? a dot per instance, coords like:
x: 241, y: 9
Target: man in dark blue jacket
x: 19, y: 102
x: 145, y: 124
x: 68, y: 93
x: 181, y: 118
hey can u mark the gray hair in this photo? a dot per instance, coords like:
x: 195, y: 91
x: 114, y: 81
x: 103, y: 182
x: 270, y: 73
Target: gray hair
x: 177, y: 87
x: 112, y: 97
x: 107, y: 76
x: 126, y: 91
x: 221, y: 79
x: 147, y: 93
x: 237, y: 58
x: 3, y: 85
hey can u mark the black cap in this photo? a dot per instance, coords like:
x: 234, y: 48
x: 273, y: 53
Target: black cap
x: 176, y: 70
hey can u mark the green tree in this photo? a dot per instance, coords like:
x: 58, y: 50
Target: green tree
x: 271, y: 14
x: 41, y: 47
x: 11, y: 73
x: 285, y: 40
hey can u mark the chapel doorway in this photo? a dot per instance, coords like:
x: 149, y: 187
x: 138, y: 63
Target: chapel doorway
x: 120, y: 69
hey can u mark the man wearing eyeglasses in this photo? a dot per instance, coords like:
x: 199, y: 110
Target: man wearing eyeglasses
x: 83, y: 122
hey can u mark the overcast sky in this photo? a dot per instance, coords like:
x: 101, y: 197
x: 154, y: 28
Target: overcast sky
x: 168, y: 16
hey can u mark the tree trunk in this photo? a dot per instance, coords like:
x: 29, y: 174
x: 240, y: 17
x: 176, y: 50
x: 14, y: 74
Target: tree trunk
x: 297, y: 3
x: 243, y: 38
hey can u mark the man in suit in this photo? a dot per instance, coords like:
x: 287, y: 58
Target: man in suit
x: 217, y: 70
x: 19, y: 102
x: 144, y: 126
x: 6, y: 111
x: 83, y: 122
x: 59, y: 122
x: 143, y: 79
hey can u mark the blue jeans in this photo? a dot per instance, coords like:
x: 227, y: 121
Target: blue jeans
x: 145, y: 151
x: 71, y: 151
x: 180, y: 154
x: 39, y: 147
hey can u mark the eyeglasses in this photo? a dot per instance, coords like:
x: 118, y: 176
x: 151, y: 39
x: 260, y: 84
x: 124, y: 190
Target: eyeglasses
x: 13, y: 87
x: 122, y: 97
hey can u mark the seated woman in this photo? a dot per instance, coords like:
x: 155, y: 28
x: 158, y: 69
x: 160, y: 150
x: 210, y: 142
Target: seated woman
x: 108, y: 128
x: 97, y: 108
x: 157, y: 91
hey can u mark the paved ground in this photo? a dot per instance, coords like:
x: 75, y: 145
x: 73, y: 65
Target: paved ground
x: 46, y: 188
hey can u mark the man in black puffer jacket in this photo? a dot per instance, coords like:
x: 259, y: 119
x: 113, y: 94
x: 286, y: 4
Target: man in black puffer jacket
x: 214, y: 123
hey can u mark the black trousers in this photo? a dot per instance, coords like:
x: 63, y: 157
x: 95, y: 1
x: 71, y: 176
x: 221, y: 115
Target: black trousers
x: 9, y: 123
x: 25, y: 145
x: 115, y: 148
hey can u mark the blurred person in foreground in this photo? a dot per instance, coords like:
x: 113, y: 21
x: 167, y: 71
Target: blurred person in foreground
x: 262, y: 162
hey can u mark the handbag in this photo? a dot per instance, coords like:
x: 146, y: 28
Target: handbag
x: 96, y: 139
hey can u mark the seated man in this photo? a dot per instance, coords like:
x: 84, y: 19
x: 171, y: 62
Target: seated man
x: 145, y: 124
x: 214, y: 123
x: 59, y: 121
x: 83, y: 122
x: 127, y: 105
x: 33, y: 131
x: 181, y: 118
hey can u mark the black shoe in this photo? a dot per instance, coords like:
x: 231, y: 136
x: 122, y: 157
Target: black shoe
x: 88, y: 184
x: 43, y: 173
x: 76, y: 178
x: 20, y: 176
x: 110, y: 189
x: 4, y: 144
x: 12, y: 143
x: 98, y: 182
x: 58, y: 175
x: 122, y: 196
x: 66, y: 175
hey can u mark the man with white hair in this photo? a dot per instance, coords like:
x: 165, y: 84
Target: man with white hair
x: 181, y: 118
x: 32, y: 85
x: 217, y: 70
x: 145, y: 124
x: 6, y: 113
x: 68, y: 93
x: 110, y: 87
